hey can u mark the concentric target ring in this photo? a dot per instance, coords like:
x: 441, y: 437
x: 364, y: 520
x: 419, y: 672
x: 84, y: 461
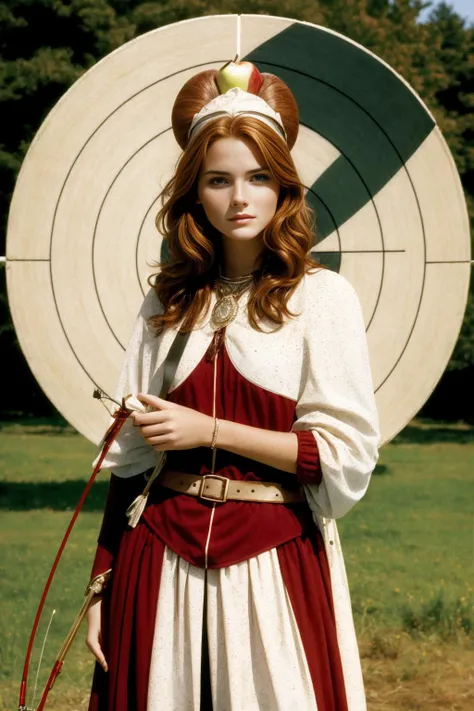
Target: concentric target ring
x: 81, y: 235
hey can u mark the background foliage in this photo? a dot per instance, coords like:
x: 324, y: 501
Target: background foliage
x: 45, y: 45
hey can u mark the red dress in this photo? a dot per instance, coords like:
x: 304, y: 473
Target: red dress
x: 240, y: 530
x: 313, y: 378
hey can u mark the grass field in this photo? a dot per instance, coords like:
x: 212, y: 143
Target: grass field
x: 408, y: 548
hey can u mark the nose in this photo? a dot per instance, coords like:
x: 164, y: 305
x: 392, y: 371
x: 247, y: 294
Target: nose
x: 238, y: 197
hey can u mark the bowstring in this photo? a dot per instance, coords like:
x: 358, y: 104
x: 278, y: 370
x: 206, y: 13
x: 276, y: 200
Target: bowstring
x: 102, y: 396
x: 41, y: 659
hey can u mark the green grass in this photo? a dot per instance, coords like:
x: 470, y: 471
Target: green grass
x: 408, y: 545
x: 411, y: 537
x: 42, y: 479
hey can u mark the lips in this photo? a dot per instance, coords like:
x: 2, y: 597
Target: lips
x: 237, y: 218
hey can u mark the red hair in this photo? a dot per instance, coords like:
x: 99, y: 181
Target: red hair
x: 185, y: 283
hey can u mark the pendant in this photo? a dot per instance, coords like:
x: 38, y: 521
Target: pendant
x: 224, y: 312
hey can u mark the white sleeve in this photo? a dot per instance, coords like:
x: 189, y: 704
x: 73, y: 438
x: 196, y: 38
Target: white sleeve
x: 129, y: 453
x: 337, y: 401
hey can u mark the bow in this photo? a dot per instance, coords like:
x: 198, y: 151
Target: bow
x: 129, y: 404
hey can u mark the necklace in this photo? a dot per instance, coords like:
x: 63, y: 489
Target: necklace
x: 228, y: 292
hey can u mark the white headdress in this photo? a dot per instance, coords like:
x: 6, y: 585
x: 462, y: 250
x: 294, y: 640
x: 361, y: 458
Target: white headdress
x: 236, y: 102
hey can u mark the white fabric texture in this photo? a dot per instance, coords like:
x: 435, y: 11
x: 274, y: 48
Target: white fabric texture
x: 141, y: 371
x: 346, y: 636
x: 256, y: 656
x: 337, y: 399
x: 237, y: 102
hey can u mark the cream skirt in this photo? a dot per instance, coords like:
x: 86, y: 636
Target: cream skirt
x: 256, y: 657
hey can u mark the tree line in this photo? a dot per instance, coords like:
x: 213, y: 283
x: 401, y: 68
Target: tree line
x: 45, y: 45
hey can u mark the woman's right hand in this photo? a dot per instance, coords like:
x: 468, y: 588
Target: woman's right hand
x: 94, y: 639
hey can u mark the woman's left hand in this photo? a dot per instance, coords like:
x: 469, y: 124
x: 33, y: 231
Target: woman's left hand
x: 171, y: 426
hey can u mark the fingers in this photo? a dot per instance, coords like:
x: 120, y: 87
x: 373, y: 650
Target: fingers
x: 158, y: 435
x: 148, y: 418
x: 92, y: 642
x: 154, y: 401
x: 163, y: 428
x: 161, y: 441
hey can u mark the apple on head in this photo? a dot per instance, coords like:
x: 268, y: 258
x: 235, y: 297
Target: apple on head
x: 243, y: 75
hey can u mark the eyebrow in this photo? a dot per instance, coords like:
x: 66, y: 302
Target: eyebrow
x: 225, y: 172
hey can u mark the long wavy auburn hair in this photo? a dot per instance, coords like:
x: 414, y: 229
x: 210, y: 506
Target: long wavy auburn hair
x: 185, y: 282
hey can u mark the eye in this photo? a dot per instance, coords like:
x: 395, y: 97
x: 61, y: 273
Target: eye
x: 261, y: 178
x: 217, y: 181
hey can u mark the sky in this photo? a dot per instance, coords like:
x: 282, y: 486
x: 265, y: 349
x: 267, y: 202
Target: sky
x: 464, y: 8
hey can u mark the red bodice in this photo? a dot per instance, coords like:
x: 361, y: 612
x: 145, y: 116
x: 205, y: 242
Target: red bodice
x: 236, y: 530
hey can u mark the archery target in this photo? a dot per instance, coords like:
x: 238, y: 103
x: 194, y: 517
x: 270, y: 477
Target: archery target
x: 391, y: 215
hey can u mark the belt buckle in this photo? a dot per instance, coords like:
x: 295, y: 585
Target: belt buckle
x: 225, y: 489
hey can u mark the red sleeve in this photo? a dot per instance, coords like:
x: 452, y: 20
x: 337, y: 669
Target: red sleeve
x: 308, y: 469
x: 122, y: 491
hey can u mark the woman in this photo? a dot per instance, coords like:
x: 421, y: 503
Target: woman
x: 230, y: 591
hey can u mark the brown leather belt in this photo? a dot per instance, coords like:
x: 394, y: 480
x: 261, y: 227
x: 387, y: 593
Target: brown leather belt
x: 218, y: 489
